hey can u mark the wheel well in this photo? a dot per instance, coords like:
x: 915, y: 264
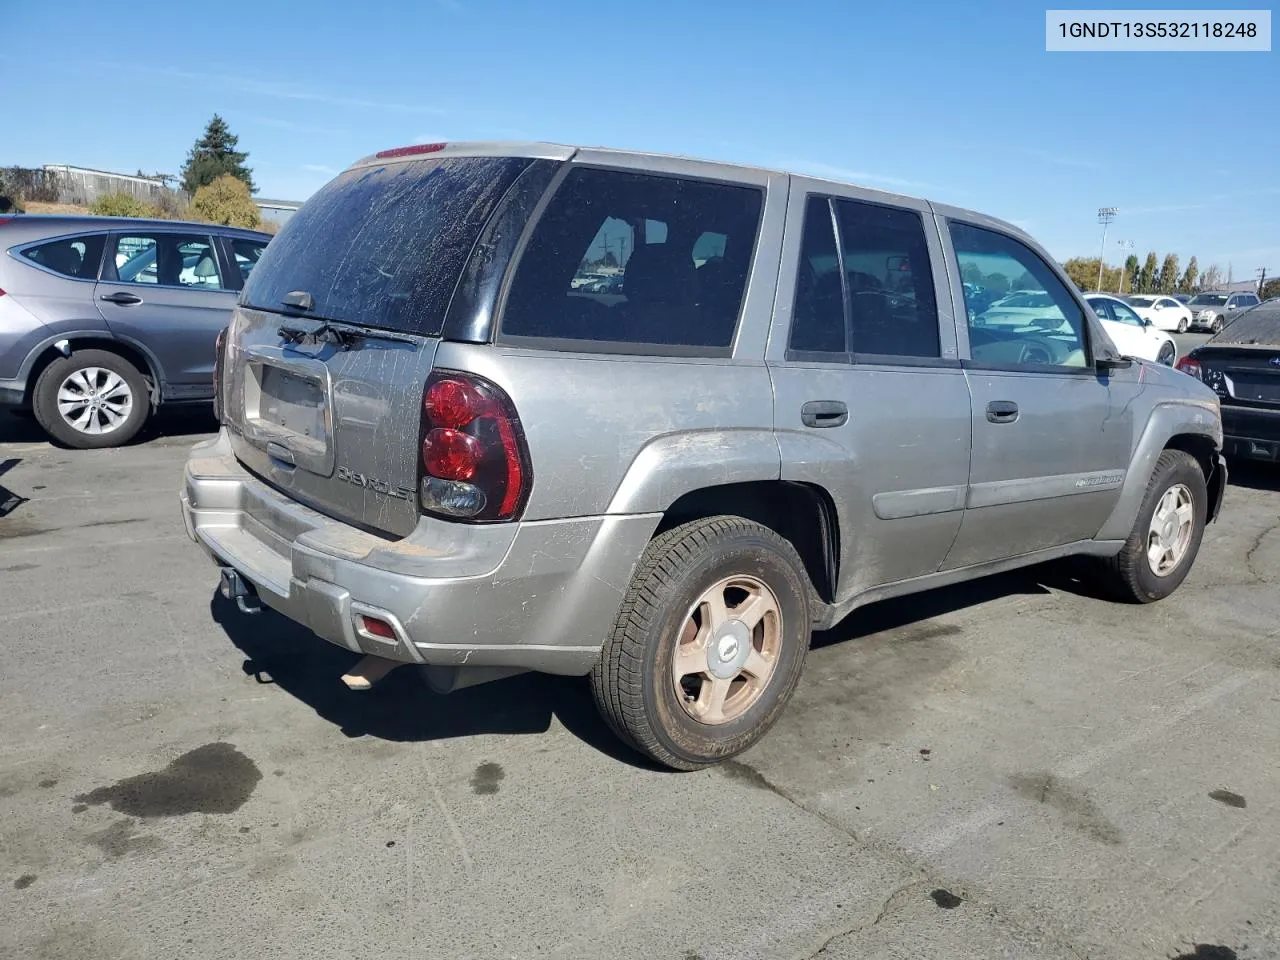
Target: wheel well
x: 1203, y: 449
x: 800, y: 512
x: 123, y: 350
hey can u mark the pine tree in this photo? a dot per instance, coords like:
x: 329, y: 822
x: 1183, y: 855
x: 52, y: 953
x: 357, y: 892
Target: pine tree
x: 1188, y: 282
x: 1131, y: 272
x: 1147, y: 276
x: 213, y: 155
x: 1167, y: 279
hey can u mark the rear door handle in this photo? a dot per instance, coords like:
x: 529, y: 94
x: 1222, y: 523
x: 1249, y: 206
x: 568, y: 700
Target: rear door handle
x: 824, y: 413
x: 1002, y: 411
x: 124, y: 299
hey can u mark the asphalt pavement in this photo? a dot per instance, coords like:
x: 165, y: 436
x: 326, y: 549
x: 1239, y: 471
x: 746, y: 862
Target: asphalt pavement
x: 1011, y: 768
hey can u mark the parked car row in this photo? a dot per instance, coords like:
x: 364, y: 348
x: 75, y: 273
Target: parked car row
x: 1182, y: 312
x: 105, y: 319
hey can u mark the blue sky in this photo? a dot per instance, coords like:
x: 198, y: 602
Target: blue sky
x: 960, y: 105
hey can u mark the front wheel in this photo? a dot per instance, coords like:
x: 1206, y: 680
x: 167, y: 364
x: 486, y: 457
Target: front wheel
x: 1168, y: 353
x: 1165, y: 539
x: 709, y: 643
x: 1216, y: 326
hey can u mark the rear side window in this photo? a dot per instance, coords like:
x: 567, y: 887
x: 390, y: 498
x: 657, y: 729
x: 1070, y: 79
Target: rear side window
x: 634, y: 258
x: 76, y: 257
x: 168, y: 259
x: 384, y: 246
x: 892, y: 308
x: 885, y: 288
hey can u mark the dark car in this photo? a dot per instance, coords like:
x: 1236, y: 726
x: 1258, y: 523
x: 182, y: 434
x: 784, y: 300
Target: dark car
x: 104, y: 319
x: 1242, y: 365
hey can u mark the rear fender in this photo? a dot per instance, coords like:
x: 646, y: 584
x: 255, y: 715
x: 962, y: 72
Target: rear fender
x: 671, y: 466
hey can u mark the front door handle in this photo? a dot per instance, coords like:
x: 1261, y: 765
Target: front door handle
x: 1002, y: 411
x: 824, y: 413
x: 123, y: 299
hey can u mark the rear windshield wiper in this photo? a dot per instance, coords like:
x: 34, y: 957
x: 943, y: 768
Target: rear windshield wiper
x: 335, y: 331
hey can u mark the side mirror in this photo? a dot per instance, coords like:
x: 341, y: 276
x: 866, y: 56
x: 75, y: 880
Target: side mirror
x: 1105, y: 364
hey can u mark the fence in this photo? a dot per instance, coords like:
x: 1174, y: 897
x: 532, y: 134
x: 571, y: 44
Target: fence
x: 83, y: 186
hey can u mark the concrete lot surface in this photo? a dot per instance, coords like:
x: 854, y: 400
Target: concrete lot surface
x: 1009, y: 769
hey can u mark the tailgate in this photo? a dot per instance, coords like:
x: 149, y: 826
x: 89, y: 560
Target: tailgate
x: 335, y: 428
x: 1248, y: 375
x: 334, y: 421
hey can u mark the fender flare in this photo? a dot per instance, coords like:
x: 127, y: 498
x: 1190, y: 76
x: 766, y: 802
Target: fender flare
x: 1169, y: 418
x: 670, y: 466
x: 105, y: 337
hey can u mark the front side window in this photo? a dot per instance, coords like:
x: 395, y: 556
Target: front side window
x: 1040, y: 325
x: 168, y: 259
x: 76, y: 257
x: 635, y: 258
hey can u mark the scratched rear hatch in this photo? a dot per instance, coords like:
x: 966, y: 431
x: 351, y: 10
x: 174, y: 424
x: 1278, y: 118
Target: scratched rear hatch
x: 337, y: 329
x: 1242, y: 362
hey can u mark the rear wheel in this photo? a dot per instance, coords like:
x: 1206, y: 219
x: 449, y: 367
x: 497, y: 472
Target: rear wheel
x: 1182, y: 324
x: 1166, y: 536
x: 709, y: 643
x: 91, y: 399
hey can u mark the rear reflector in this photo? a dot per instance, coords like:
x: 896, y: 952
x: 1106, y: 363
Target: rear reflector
x: 410, y: 151
x: 379, y: 628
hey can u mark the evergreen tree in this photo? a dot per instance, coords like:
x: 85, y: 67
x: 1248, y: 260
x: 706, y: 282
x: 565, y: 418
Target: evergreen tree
x: 213, y: 155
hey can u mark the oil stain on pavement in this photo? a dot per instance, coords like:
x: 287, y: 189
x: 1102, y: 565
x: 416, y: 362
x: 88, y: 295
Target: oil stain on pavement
x: 1072, y: 803
x: 487, y: 777
x: 215, y: 778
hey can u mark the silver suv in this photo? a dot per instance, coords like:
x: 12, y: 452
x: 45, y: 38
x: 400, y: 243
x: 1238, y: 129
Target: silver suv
x: 439, y: 449
x: 103, y: 319
x: 1211, y: 310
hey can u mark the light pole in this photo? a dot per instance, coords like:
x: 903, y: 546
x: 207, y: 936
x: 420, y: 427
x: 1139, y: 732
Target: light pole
x: 1105, y: 216
x: 1123, y: 245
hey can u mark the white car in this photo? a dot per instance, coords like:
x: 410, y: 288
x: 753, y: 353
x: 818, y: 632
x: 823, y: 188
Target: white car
x: 1133, y: 335
x: 1165, y: 312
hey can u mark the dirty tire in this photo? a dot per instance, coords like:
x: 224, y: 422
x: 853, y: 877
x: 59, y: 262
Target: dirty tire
x: 45, y: 400
x: 633, y: 682
x: 1129, y: 574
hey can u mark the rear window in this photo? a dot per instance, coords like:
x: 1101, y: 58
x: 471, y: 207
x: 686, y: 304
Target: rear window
x: 1260, y: 325
x: 384, y: 246
x: 637, y: 258
x: 76, y: 257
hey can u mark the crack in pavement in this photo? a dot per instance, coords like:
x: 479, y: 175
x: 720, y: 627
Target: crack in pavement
x: 1257, y: 545
x: 863, y: 925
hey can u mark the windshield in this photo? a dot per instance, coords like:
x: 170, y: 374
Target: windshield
x: 1209, y: 300
x: 384, y: 246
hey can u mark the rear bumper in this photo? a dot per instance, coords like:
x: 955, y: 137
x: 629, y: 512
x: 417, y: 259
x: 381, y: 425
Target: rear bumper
x: 538, y: 595
x: 1250, y: 433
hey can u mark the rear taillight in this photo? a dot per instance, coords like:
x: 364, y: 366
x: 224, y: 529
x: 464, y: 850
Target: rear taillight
x: 1190, y: 366
x: 475, y: 463
x: 219, y: 348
